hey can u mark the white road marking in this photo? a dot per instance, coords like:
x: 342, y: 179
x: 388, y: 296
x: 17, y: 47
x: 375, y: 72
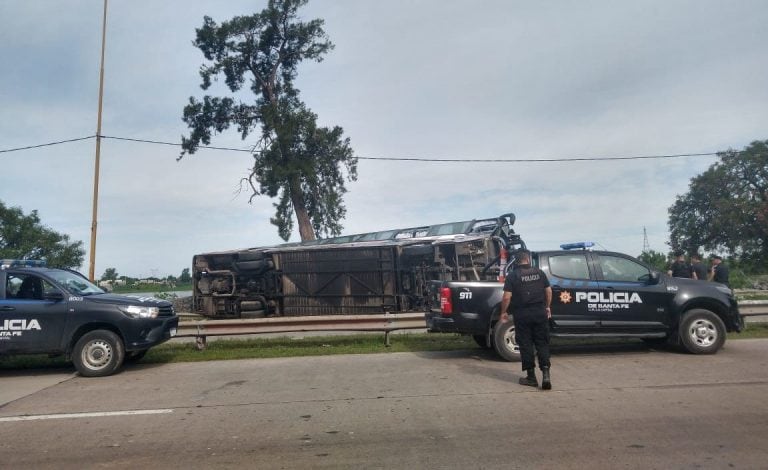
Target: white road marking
x: 84, y: 415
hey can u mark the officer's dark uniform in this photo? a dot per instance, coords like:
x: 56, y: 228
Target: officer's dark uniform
x: 527, y: 285
x: 721, y: 274
x: 700, y: 270
x: 681, y: 269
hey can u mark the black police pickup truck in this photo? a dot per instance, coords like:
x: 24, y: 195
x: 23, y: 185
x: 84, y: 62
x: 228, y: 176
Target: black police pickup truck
x: 59, y: 312
x: 594, y: 294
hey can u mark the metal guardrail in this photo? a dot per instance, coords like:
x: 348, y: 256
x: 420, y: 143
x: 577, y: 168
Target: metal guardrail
x: 749, y: 291
x: 753, y: 308
x: 200, y: 330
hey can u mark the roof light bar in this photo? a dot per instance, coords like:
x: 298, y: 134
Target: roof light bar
x: 26, y: 263
x: 577, y: 245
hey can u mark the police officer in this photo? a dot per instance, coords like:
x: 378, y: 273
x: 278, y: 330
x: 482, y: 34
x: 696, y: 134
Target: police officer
x: 528, y: 290
x: 719, y: 271
x: 680, y: 268
x: 698, y: 268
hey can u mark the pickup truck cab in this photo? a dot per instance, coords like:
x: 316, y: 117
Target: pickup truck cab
x: 595, y: 294
x: 59, y: 312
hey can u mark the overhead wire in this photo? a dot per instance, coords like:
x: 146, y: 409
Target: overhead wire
x: 58, y: 142
x: 408, y: 159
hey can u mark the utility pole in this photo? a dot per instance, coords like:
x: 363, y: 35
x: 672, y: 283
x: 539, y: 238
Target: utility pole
x: 92, y: 263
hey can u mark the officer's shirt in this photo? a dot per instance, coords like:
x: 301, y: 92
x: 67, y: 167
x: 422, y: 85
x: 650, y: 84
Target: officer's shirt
x: 681, y: 269
x: 527, y: 285
x: 721, y: 274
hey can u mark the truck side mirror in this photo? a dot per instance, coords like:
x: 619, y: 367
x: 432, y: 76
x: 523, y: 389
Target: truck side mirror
x: 54, y: 296
x: 654, y: 278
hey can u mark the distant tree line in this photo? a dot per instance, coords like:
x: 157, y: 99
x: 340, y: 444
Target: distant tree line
x: 111, y: 275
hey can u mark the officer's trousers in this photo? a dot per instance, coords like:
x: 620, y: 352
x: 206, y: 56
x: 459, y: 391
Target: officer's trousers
x: 532, y: 328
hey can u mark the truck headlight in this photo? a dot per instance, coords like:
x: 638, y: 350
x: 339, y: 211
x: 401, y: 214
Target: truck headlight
x: 136, y: 311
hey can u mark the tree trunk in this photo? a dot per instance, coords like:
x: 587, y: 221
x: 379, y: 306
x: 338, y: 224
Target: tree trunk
x: 302, y: 216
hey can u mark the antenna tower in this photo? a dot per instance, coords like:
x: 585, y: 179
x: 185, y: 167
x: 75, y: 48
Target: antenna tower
x: 646, y: 246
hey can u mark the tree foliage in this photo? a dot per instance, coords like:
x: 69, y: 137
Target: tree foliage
x: 726, y: 207
x: 302, y: 165
x: 24, y: 237
x: 110, y: 274
x: 185, y: 277
x: 654, y: 259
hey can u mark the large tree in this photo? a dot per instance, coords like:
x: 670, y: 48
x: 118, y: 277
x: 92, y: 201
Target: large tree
x: 24, y: 237
x: 301, y: 164
x: 726, y: 207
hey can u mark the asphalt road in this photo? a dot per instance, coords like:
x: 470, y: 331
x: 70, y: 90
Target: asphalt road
x: 611, y: 407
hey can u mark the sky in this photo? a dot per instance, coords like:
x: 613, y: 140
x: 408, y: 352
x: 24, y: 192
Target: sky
x: 428, y: 79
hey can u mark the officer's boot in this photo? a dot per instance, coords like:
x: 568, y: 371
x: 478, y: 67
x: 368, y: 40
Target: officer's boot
x: 546, y: 384
x: 530, y: 379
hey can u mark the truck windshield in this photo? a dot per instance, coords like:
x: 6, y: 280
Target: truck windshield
x: 74, y: 283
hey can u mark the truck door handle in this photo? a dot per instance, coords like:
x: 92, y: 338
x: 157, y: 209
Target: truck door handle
x: 6, y: 308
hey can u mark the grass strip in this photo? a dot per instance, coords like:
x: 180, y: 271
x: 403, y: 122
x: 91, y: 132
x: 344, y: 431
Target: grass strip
x: 258, y: 348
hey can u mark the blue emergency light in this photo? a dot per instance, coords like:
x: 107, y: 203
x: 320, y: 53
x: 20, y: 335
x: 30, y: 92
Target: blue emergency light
x: 18, y: 263
x: 577, y: 245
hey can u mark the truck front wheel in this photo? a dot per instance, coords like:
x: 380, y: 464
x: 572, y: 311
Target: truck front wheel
x: 98, y: 353
x: 504, y: 341
x: 702, y: 332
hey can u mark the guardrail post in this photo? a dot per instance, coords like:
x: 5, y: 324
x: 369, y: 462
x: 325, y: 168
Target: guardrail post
x: 201, y: 342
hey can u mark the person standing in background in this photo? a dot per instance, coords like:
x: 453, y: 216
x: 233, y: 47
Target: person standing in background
x: 719, y: 271
x: 680, y: 268
x: 699, y: 270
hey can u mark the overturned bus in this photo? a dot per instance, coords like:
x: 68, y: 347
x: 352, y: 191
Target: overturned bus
x: 367, y: 273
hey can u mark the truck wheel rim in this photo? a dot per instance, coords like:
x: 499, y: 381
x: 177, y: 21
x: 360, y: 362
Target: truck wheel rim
x: 509, y: 340
x: 97, y: 354
x: 703, y: 333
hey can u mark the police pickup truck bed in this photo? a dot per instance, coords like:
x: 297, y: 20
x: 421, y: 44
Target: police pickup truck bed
x: 595, y: 294
x: 59, y: 312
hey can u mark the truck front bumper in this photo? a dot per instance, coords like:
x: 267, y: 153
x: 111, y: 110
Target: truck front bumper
x: 151, y: 333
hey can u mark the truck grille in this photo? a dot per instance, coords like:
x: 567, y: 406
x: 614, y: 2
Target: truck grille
x: 166, y: 311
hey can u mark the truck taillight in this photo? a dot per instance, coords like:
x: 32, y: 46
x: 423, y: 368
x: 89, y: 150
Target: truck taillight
x: 446, y: 306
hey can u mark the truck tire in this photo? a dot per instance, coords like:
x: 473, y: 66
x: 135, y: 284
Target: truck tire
x: 98, y: 353
x: 249, y: 255
x: 702, y: 332
x: 504, y: 341
x: 259, y: 265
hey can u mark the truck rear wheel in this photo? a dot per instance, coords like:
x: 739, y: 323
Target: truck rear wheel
x: 98, y: 353
x: 504, y: 341
x: 702, y: 332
